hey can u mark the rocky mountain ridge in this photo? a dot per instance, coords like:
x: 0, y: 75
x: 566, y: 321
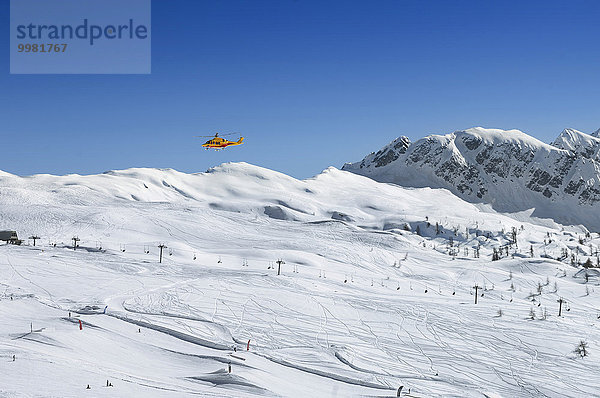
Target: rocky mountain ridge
x: 508, y: 169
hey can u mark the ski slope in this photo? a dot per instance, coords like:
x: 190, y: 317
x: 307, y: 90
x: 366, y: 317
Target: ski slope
x: 363, y: 305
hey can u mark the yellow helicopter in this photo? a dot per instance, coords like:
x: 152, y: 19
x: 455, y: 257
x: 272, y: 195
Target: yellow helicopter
x: 217, y: 142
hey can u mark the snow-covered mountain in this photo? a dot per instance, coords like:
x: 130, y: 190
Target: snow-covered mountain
x: 507, y: 169
x: 376, y: 290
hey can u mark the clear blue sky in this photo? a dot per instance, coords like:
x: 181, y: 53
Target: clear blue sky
x: 309, y: 84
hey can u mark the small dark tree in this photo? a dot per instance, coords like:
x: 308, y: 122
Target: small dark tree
x: 514, y: 235
x: 495, y: 255
x: 588, y: 263
x: 582, y: 349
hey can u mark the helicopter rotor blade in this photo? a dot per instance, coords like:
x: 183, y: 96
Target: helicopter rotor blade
x: 214, y: 135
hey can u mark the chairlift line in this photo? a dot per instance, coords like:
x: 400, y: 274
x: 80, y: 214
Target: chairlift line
x: 194, y: 253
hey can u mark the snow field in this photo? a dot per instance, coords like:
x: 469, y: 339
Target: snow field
x: 348, y: 316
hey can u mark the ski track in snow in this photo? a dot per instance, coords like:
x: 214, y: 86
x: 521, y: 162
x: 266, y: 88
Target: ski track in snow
x: 367, y: 310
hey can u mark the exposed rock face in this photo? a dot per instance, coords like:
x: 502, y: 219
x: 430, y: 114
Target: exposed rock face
x: 387, y: 154
x: 508, y: 169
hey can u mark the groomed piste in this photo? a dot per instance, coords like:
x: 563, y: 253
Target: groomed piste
x: 376, y: 290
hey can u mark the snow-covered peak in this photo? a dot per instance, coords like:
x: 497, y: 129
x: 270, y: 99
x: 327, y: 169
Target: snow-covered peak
x: 596, y: 133
x: 248, y: 170
x: 385, y: 155
x: 508, y: 169
x: 140, y: 172
x: 576, y: 141
x: 498, y: 136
